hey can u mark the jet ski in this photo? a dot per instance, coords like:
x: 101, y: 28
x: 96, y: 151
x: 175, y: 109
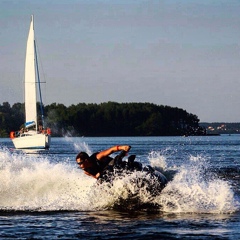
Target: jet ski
x: 154, y: 180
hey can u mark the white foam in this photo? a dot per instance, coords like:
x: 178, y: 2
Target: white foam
x: 158, y: 160
x: 37, y: 183
x: 192, y: 190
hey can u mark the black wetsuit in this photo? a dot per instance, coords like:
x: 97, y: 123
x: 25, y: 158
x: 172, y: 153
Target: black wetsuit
x: 98, y: 166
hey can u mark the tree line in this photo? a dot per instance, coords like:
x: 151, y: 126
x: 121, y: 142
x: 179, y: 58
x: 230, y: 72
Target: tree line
x: 106, y: 119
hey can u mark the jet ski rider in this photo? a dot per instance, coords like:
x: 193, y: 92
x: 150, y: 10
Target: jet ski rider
x: 94, y: 165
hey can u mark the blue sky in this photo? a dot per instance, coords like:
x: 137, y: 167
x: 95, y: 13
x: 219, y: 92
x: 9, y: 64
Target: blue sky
x: 182, y: 54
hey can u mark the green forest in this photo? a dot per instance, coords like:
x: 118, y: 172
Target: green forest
x: 106, y: 119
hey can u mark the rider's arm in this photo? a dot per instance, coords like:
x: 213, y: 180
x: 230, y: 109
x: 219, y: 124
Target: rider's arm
x: 101, y: 155
x: 94, y: 176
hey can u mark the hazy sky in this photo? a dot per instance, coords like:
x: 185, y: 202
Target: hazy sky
x: 183, y: 54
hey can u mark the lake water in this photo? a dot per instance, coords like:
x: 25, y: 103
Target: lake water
x: 43, y: 195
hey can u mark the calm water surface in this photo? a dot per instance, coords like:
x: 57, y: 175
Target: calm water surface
x: 43, y: 195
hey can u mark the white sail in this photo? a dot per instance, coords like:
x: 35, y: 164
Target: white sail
x: 30, y: 79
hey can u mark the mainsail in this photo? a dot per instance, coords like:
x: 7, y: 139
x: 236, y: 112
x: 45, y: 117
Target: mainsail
x: 30, y: 79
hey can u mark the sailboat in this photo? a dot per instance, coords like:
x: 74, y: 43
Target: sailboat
x: 34, y: 134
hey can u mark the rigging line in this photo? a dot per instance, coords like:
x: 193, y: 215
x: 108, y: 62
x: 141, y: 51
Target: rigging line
x: 43, y: 75
x: 39, y: 87
x: 35, y: 82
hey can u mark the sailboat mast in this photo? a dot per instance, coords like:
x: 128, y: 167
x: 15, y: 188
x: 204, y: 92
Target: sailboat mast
x: 39, y: 87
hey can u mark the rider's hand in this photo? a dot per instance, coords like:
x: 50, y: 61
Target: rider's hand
x: 98, y: 175
x: 126, y: 148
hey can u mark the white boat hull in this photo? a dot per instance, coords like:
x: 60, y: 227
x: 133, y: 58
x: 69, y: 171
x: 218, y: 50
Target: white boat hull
x: 35, y: 141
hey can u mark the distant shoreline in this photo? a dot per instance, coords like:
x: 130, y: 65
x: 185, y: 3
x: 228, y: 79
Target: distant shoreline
x: 217, y: 128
